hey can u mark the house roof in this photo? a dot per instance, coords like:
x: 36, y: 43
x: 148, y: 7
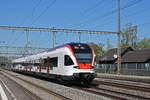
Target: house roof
x: 111, y: 55
x: 142, y: 55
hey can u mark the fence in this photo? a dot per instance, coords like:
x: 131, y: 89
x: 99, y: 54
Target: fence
x: 141, y: 69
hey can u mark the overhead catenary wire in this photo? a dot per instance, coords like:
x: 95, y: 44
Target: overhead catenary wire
x: 83, y: 13
x: 147, y: 23
x: 25, y: 19
x: 17, y: 38
x: 34, y: 8
x: 56, y: 30
x: 33, y: 11
x: 107, y: 14
x: 138, y: 12
x: 127, y: 16
x: 92, y: 7
x: 18, y: 47
x: 50, y: 5
x: 34, y: 20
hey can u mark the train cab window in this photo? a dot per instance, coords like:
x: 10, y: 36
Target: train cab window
x: 68, y: 61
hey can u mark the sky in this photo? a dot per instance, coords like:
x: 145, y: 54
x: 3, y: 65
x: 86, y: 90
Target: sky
x: 98, y: 15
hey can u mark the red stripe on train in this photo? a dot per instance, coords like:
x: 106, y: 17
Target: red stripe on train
x: 92, y: 56
x: 85, y: 66
x: 72, y: 53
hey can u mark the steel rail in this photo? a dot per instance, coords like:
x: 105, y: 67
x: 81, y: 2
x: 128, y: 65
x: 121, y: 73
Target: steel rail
x: 110, y: 94
x: 131, y: 79
x: 32, y: 95
x: 125, y: 94
x: 127, y: 86
x: 100, y: 93
x: 41, y: 88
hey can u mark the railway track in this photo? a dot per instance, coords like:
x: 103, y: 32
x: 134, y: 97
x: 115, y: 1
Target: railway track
x: 125, y: 78
x: 100, y: 93
x: 74, y: 94
x: 126, y: 85
x: 125, y: 96
x: 119, y: 95
x: 111, y: 94
x: 88, y: 90
x: 108, y: 93
x: 33, y: 95
x: 129, y: 90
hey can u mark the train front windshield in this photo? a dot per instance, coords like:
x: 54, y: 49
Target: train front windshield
x: 83, y: 54
x: 83, y: 57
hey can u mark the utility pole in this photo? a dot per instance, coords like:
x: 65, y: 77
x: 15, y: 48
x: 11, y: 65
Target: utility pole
x: 27, y: 38
x: 27, y: 43
x: 118, y: 50
x: 54, y: 37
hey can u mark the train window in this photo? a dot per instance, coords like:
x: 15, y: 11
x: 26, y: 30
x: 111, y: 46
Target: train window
x: 68, y: 61
x: 43, y: 63
x: 54, y: 62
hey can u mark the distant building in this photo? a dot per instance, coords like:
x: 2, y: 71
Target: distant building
x: 137, y: 56
x: 133, y: 62
x: 128, y: 55
x: 110, y: 57
x: 4, y: 61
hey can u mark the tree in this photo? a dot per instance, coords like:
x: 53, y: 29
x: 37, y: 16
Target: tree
x: 129, y: 36
x: 144, y: 43
x: 98, y: 50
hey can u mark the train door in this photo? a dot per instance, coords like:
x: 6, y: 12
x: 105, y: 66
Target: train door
x: 60, y: 64
x: 55, y: 61
x: 61, y: 60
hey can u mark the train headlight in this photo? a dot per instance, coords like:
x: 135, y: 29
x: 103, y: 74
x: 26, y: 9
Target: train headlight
x: 77, y: 67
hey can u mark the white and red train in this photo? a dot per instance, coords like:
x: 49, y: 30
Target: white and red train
x: 70, y: 62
